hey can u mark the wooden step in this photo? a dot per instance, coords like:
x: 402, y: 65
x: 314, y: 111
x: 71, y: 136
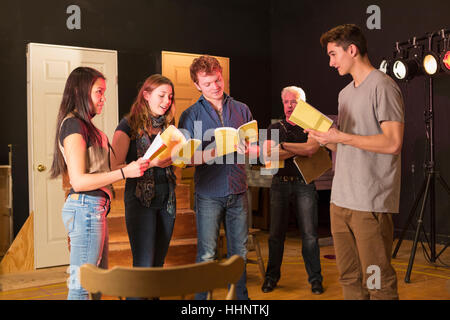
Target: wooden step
x: 117, y: 209
x: 182, y: 251
x: 118, y: 190
x: 182, y: 193
x: 184, y: 228
x: 117, y: 229
x: 117, y: 203
x: 183, y: 196
x: 119, y: 254
x: 185, y: 225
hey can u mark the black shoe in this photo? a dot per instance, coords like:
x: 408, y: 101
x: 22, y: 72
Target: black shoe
x: 268, y: 285
x: 316, y: 287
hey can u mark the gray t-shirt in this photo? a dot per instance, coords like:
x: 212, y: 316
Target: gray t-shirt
x: 364, y: 180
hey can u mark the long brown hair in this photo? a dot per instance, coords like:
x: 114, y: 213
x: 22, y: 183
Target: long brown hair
x: 139, y: 116
x: 76, y: 100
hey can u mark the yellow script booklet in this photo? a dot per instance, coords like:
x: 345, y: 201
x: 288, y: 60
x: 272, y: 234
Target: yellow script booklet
x: 274, y: 164
x: 308, y: 117
x: 313, y: 167
x: 155, y: 148
x: 228, y: 138
x: 172, y: 143
x: 186, y: 152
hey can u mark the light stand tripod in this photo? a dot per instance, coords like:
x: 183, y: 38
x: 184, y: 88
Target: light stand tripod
x: 427, y: 190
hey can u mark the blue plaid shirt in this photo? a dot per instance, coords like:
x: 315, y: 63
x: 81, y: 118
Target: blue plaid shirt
x: 216, y: 180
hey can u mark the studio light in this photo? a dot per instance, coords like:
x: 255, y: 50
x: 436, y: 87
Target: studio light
x: 405, y: 69
x: 385, y: 66
x: 445, y: 61
x: 407, y: 64
x: 427, y: 55
x: 431, y: 63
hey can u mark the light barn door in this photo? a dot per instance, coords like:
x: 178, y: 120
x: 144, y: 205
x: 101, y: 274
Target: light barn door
x: 48, y: 67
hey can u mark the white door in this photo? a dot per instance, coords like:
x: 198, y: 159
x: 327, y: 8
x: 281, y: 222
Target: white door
x: 48, y: 67
x: 175, y: 66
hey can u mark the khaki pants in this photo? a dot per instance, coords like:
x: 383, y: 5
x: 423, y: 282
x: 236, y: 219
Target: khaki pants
x: 361, y: 240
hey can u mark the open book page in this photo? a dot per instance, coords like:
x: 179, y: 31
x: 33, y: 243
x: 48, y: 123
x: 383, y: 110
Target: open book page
x: 308, y: 117
x: 313, y: 167
x: 173, y: 139
x: 172, y: 143
x: 155, y: 149
x: 186, y: 152
x: 249, y: 131
x: 227, y: 138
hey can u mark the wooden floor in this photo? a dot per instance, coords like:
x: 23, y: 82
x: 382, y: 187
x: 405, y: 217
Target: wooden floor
x: 427, y: 282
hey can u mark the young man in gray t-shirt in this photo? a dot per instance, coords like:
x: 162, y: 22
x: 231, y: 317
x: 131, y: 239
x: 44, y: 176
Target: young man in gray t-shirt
x: 366, y: 185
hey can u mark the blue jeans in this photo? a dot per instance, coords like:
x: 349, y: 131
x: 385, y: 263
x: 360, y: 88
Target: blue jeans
x: 304, y: 197
x: 232, y: 211
x: 85, y: 221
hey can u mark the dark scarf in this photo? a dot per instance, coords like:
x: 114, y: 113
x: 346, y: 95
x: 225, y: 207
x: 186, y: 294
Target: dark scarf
x: 158, y: 122
x: 145, y: 185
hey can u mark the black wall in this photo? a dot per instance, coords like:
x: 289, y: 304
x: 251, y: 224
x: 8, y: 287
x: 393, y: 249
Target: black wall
x: 271, y: 43
x: 139, y: 30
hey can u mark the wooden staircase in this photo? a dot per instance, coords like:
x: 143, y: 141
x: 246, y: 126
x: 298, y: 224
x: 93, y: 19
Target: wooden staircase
x: 183, y: 245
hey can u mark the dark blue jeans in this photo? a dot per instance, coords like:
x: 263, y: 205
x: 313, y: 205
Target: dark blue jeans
x: 211, y: 211
x: 149, y: 231
x: 304, y: 197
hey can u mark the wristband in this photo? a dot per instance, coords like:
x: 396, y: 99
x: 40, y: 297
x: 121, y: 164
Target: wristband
x: 121, y: 171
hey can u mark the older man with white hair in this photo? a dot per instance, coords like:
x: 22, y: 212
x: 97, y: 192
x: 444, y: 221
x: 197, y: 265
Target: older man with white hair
x: 289, y: 186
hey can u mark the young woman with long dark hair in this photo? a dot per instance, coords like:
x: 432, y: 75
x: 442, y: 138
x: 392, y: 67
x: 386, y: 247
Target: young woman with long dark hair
x: 82, y: 151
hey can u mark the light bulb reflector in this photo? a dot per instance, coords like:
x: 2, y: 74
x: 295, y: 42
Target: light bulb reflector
x: 399, y: 70
x: 430, y: 64
x: 446, y: 60
x: 384, y: 66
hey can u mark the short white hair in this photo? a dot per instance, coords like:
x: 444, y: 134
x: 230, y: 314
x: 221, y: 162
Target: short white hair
x: 298, y: 91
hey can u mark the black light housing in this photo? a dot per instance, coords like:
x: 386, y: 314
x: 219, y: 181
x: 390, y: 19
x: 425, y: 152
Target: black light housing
x: 406, y: 68
x: 427, y: 55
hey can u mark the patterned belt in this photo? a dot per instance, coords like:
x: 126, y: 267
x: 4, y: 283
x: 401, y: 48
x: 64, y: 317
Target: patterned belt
x: 289, y: 178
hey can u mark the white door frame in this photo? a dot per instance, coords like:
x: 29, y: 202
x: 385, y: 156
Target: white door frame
x: 32, y: 164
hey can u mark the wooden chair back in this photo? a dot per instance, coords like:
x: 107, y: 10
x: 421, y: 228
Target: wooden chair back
x: 163, y: 282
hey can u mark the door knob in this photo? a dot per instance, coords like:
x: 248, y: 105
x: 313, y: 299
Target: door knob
x: 41, y: 167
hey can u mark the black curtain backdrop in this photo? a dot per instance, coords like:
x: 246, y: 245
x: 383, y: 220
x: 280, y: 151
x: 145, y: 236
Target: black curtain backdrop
x: 271, y: 44
x: 139, y: 31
